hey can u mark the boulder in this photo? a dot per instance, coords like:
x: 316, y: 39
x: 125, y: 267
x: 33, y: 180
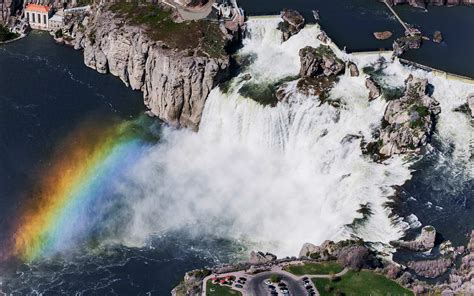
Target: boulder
x: 417, y: 3
x: 354, y: 71
x: 292, y: 23
x: 437, y: 37
x: 383, y: 35
x: 307, y: 249
x: 374, y: 89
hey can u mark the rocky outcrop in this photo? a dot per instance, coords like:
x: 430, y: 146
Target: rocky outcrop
x: 437, y: 37
x: 383, y: 35
x: 470, y: 104
x: 319, y: 61
x: 374, y: 89
x: 353, y: 69
x: 261, y: 258
x: 192, y: 283
x: 431, y: 268
x: 424, y: 242
x: 175, y: 84
x: 405, y: 43
x: 292, y: 23
x: 409, y: 121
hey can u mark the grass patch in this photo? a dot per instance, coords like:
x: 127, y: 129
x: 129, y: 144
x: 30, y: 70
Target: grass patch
x: 6, y: 35
x: 218, y: 290
x: 201, y: 37
x: 330, y: 267
x: 361, y: 283
x: 422, y: 110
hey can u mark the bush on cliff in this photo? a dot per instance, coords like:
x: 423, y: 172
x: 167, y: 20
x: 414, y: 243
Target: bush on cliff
x: 6, y: 35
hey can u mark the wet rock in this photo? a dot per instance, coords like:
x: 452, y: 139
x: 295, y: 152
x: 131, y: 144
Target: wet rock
x: 292, y: 23
x: 437, y: 37
x: 374, y: 89
x: 321, y: 60
x: 383, y: 35
x: 409, y: 122
x: 417, y: 3
x: 247, y: 76
x: 354, y: 71
x: 470, y: 104
x: 316, y: 15
x: 323, y: 37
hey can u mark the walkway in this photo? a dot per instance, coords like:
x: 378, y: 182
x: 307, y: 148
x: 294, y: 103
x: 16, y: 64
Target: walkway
x: 397, y: 16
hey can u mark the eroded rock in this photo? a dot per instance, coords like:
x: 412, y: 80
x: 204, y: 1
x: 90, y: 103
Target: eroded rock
x: 321, y: 60
x: 292, y: 23
x: 408, y: 121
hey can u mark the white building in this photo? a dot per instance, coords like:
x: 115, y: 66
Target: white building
x: 55, y: 22
x: 38, y: 16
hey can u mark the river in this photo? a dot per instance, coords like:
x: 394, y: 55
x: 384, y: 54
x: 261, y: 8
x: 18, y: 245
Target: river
x: 141, y: 203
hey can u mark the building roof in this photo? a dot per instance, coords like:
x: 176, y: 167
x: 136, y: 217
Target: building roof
x: 56, y: 18
x: 37, y: 8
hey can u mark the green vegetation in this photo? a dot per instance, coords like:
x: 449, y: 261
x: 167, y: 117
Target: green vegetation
x: 417, y: 123
x: 361, y: 283
x: 274, y: 278
x: 315, y: 268
x: 6, y: 35
x: 422, y: 110
x: 263, y: 93
x: 218, y: 290
x: 201, y: 38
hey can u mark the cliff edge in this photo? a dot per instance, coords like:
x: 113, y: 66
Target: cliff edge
x: 175, y: 65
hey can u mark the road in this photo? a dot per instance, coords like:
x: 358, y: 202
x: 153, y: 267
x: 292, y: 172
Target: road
x: 257, y: 287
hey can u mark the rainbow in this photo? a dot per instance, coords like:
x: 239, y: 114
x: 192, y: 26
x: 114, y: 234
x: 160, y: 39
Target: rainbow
x: 76, y: 187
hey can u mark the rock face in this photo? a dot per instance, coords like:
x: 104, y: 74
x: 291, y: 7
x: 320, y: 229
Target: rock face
x: 321, y: 60
x: 292, y: 23
x: 408, y: 121
x: 175, y: 85
x: 424, y: 242
x: 374, y: 89
x: 383, y: 35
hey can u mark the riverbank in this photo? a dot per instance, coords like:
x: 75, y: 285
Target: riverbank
x: 331, y: 273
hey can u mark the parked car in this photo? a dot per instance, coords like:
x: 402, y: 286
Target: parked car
x: 239, y: 286
x: 267, y: 282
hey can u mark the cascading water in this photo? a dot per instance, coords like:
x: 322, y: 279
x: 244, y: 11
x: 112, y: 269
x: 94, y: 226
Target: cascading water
x: 277, y: 176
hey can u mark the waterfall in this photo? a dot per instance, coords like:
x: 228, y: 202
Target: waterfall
x: 275, y: 176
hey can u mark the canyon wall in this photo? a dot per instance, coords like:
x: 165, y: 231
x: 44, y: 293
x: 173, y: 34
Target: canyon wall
x: 174, y: 83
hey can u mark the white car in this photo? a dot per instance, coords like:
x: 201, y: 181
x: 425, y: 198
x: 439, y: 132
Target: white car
x: 267, y: 282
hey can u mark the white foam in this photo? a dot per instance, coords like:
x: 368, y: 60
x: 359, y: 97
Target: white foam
x: 277, y: 176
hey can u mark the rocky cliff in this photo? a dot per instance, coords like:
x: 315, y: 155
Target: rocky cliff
x: 175, y: 82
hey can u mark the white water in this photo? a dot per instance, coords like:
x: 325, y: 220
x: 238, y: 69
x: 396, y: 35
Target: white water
x: 276, y: 177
